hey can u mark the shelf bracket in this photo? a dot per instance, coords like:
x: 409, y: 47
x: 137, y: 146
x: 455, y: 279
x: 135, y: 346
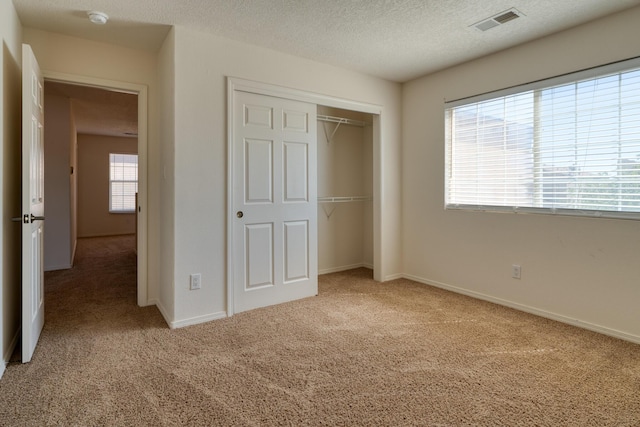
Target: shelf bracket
x: 326, y: 134
x: 328, y: 212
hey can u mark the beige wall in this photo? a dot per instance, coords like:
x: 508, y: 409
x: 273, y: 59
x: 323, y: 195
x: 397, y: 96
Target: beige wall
x: 202, y: 63
x: 58, y: 140
x: 579, y: 270
x: 73, y: 187
x: 166, y: 84
x: 10, y: 78
x: 70, y: 55
x: 94, y: 218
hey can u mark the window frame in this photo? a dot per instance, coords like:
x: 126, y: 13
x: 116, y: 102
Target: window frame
x: 111, y: 181
x: 573, y: 77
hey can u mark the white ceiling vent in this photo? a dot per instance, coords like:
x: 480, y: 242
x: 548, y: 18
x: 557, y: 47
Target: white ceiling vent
x: 499, y: 19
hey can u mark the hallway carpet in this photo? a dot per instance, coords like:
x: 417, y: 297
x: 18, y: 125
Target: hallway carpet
x: 360, y: 353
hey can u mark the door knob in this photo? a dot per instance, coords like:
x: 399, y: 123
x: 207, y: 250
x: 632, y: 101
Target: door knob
x: 239, y: 214
x: 27, y: 219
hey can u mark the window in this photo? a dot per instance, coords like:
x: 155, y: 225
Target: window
x: 123, y: 182
x: 568, y: 145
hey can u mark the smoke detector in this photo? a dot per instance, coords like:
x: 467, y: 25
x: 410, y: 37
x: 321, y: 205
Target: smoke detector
x: 99, y: 18
x: 499, y: 19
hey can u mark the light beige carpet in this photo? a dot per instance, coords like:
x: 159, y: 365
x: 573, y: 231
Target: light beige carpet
x: 360, y: 353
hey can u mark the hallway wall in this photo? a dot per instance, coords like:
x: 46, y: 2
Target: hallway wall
x: 10, y: 204
x: 94, y: 218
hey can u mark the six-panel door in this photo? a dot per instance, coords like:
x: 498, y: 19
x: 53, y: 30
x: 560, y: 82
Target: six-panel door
x: 32, y: 202
x: 275, y: 200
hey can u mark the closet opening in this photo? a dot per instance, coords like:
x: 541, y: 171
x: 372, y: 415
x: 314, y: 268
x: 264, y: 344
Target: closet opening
x: 345, y: 190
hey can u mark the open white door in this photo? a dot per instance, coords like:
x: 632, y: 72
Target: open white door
x: 275, y: 244
x: 32, y: 202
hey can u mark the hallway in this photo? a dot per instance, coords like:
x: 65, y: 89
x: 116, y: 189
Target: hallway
x: 103, y: 280
x: 97, y: 295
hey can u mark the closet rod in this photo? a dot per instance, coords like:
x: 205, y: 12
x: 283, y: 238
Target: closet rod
x: 341, y: 120
x: 342, y: 199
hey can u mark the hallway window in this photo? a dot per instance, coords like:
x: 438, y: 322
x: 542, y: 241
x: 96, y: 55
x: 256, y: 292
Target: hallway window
x: 123, y: 182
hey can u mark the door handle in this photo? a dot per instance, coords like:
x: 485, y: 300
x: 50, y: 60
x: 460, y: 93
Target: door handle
x: 27, y: 219
x: 239, y: 214
x: 36, y: 218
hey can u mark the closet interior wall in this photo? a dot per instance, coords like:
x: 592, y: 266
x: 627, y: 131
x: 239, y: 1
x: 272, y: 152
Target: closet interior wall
x: 345, y: 189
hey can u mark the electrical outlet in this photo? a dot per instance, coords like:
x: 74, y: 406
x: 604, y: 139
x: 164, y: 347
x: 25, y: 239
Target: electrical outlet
x: 195, y: 281
x: 516, y: 271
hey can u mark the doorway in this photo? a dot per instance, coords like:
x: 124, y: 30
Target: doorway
x: 95, y: 129
x: 345, y: 190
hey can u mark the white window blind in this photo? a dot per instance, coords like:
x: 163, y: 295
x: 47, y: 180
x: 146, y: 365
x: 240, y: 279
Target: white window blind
x: 569, y: 145
x: 123, y: 182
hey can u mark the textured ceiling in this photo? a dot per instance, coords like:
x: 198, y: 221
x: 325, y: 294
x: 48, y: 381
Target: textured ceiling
x: 394, y: 39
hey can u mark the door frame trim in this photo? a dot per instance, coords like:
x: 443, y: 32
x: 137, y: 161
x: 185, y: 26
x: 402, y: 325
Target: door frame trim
x: 142, y: 92
x: 242, y: 85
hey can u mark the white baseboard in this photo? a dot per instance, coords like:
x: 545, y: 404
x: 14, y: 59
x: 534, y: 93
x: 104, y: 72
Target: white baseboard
x: 164, y: 313
x: 13, y: 344
x: 345, y: 268
x: 198, y: 319
x: 73, y: 252
x: 149, y: 303
x: 57, y: 267
x: 527, y: 309
x: 175, y: 324
x: 393, y: 277
x: 85, y: 236
x: 359, y: 265
x: 12, y: 347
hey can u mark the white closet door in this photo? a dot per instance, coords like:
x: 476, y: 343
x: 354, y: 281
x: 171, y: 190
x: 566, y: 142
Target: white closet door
x: 274, y: 200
